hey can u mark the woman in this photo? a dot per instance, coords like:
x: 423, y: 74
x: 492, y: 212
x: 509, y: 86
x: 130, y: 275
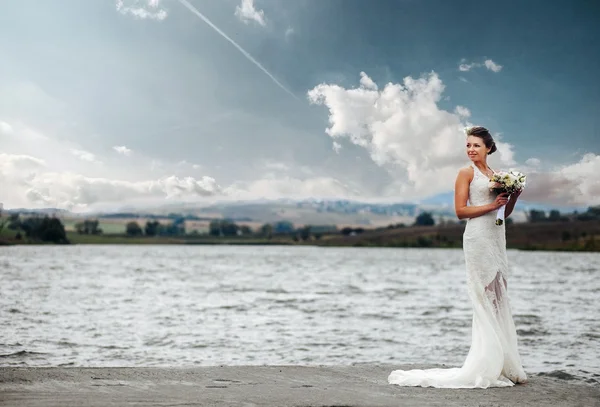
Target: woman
x: 493, y: 359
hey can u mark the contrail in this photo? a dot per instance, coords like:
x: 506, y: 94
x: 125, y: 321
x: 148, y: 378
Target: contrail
x: 243, y: 51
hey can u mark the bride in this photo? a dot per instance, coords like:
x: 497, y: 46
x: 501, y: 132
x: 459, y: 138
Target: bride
x: 493, y: 359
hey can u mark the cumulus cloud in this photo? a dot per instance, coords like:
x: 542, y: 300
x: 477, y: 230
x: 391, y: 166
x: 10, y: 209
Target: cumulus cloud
x: 123, y: 150
x: 27, y: 181
x: 403, y: 129
x: 505, y: 150
x: 573, y: 184
x: 246, y: 12
x: 367, y: 82
x: 492, y: 66
x: 142, y: 9
x: 488, y: 64
x: 14, y: 163
x: 462, y: 111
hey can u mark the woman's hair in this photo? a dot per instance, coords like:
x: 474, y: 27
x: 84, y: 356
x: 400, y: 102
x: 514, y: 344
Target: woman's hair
x: 485, y: 135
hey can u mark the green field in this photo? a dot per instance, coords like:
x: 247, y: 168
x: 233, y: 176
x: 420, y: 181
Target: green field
x: 109, y: 228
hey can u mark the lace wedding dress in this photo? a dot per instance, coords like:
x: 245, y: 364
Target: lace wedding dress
x: 493, y: 359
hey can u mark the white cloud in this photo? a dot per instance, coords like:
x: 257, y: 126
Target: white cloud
x: 18, y: 133
x: 533, y: 162
x: 488, y: 63
x: 289, y: 32
x: 84, y: 155
x: 156, y: 165
x: 185, y: 165
x: 467, y: 67
x: 14, y: 163
x: 142, y: 9
x: 403, y: 129
x: 337, y: 147
x: 276, y: 166
x: 462, y: 111
x: 246, y: 12
x: 492, y: 66
x: 28, y: 182
x: 504, y: 150
x: 573, y: 184
x: 291, y: 187
x: 5, y: 128
x: 123, y: 150
x: 367, y: 82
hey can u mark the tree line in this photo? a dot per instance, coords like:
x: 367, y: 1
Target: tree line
x: 155, y: 228
x: 229, y: 228
x: 51, y: 229
x: 36, y: 228
x: 133, y: 228
x: 591, y: 213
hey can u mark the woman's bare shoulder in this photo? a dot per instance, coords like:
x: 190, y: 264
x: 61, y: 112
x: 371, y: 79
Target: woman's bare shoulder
x: 466, y: 172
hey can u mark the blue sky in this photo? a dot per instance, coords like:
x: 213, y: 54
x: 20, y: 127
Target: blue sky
x: 107, y: 102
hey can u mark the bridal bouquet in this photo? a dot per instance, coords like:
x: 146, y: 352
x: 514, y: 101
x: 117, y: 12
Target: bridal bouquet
x: 506, y: 181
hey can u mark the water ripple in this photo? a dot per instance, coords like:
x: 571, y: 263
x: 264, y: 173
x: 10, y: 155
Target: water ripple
x: 211, y: 305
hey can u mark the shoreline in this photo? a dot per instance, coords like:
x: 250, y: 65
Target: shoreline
x: 357, y: 385
x: 225, y: 242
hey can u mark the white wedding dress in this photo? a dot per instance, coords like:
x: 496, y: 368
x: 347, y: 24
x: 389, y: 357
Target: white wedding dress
x: 493, y: 359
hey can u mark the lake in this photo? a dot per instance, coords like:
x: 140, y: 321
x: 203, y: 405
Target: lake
x: 149, y: 305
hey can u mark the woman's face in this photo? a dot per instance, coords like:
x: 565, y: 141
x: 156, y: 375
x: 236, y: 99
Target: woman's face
x: 476, y: 149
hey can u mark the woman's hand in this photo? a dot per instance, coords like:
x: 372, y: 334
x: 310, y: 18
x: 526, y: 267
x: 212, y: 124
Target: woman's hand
x: 501, y: 200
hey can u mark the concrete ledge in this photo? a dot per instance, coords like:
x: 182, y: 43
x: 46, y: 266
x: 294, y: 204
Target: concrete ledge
x: 359, y: 385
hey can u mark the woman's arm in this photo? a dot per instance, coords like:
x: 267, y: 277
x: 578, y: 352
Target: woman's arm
x: 461, y: 196
x: 511, y: 203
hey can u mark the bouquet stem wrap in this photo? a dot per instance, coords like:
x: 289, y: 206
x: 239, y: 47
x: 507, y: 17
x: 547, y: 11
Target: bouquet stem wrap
x: 500, y: 214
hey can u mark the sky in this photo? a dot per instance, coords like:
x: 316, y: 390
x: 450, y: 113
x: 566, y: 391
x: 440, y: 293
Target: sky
x: 144, y: 102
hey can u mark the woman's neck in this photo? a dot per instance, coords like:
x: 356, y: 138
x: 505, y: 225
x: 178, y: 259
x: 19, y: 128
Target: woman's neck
x: 482, y: 165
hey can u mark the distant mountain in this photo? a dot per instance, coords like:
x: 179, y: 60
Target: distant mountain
x: 445, y: 199
x: 39, y: 211
x: 307, y: 211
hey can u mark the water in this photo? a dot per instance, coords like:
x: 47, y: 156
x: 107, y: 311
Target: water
x: 212, y: 305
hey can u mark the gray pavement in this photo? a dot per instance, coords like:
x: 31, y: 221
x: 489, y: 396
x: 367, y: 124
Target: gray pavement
x: 360, y: 385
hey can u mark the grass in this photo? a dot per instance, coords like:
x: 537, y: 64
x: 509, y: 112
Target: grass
x: 76, y: 238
